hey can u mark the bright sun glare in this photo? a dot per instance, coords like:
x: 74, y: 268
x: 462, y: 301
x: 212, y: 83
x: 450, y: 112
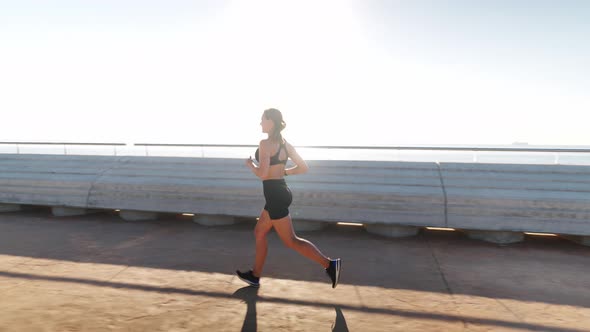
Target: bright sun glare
x: 316, y: 61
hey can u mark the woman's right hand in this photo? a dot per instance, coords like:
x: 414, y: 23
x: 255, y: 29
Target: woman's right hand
x: 249, y: 162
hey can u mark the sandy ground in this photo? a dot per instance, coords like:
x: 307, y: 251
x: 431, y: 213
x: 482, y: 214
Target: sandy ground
x: 99, y: 273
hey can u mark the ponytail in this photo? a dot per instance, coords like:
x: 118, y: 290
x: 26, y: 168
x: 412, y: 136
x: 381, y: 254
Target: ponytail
x: 277, y: 118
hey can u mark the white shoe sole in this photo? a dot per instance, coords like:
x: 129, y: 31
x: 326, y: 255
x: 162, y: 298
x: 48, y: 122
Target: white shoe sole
x: 338, y: 262
x: 249, y: 282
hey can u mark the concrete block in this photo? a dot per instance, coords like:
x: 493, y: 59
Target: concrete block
x: 10, y: 207
x: 306, y: 225
x: 498, y: 237
x: 59, y: 211
x: 392, y: 230
x: 583, y: 240
x: 210, y: 220
x: 137, y: 215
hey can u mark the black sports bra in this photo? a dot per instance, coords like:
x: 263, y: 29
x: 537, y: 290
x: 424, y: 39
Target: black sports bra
x: 274, y: 160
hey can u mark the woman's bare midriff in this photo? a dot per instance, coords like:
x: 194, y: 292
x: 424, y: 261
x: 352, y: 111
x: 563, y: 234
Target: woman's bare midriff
x: 275, y: 172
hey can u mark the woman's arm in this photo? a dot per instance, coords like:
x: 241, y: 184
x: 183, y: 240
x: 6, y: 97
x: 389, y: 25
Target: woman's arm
x: 300, y: 164
x: 261, y: 170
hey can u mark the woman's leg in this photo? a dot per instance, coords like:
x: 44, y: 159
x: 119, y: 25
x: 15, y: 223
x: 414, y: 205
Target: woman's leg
x: 263, y: 226
x: 284, y: 228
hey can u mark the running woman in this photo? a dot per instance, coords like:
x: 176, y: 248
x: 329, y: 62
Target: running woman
x: 272, y: 155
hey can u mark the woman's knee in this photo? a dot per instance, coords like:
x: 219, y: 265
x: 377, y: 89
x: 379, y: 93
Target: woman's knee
x: 263, y: 226
x: 260, y: 234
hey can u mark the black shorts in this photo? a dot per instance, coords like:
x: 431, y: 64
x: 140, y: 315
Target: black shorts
x: 278, y: 198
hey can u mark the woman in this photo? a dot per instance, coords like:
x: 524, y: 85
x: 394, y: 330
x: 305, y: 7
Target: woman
x: 272, y: 155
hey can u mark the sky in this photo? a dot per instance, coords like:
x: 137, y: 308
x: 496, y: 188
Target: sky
x: 342, y: 72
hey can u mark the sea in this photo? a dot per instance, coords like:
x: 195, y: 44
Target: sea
x: 562, y: 155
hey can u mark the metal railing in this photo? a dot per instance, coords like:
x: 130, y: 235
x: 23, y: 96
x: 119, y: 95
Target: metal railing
x: 430, y: 148
x: 585, y: 150
x: 65, y: 144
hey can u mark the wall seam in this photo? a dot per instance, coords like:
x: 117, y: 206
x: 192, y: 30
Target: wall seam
x: 442, y: 184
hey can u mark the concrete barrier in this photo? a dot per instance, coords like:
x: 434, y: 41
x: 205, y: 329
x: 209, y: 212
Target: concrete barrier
x: 390, y: 198
x: 63, y: 181
x: 368, y: 192
x: 398, y: 193
x: 517, y: 198
x: 200, y: 186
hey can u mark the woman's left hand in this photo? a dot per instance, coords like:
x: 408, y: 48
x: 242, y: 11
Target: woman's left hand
x: 249, y: 162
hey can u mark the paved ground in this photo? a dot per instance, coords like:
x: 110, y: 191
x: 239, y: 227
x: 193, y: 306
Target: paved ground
x: 99, y: 273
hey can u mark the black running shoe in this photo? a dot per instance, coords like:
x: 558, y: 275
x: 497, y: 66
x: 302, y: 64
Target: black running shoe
x: 334, y: 271
x: 249, y: 278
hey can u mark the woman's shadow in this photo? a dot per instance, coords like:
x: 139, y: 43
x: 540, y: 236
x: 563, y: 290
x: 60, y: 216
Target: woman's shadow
x: 340, y: 323
x: 250, y: 296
